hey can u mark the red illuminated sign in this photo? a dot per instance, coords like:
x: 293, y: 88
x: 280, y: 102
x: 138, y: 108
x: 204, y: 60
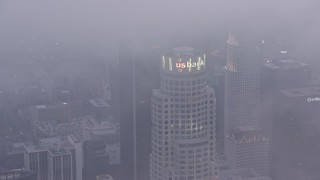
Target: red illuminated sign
x: 180, y: 65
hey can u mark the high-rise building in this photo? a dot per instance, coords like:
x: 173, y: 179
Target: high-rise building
x: 37, y: 161
x: 241, y: 174
x: 95, y: 159
x: 104, y: 177
x: 138, y: 69
x: 60, y: 165
x: 247, y: 147
x: 296, y: 137
x: 183, y: 119
x: 147, y: 77
x: 242, y: 103
x: 280, y: 73
x: 124, y: 95
x: 216, y: 75
x: 51, y: 159
x: 17, y: 175
x: 61, y: 112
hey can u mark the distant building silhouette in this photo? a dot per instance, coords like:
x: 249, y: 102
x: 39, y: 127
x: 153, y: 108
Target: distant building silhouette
x: 295, y: 144
x: 95, y: 159
x: 104, y: 177
x: 246, y: 146
x: 122, y: 92
x: 282, y: 72
x: 18, y: 175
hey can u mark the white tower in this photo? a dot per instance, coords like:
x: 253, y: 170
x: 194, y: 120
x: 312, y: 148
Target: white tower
x: 183, y: 119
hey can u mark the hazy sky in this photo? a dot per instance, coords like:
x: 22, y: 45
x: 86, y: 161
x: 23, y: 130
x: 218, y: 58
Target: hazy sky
x: 96, y: 22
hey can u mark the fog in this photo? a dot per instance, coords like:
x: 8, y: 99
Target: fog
x: 64, y: 45
x: 97, y: 23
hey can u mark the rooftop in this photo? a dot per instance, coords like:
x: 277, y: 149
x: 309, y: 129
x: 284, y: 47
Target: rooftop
x: 302, y: 92
x: 104, y: 177
x: 49, y: 144
x: 78, y: 127
x: 241, y: 174
x: 15, y: 174
x: 99, y: 103
x: 286, y: 64
x: 246, y: 134
x: 41, y: 106
x: 58, y: 151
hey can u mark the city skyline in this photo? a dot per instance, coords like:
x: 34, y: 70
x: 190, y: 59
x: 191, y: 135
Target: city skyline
x: 164, y: 90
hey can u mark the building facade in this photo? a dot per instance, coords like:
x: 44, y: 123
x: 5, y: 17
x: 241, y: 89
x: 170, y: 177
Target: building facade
x: 17, y: 175
x: 296, y: 137
x: 280, y: 73
x: 60, y: 165
x: 242, y: 100
x: 96, y: 160
x: 51, y: 159
x: 183, y: 119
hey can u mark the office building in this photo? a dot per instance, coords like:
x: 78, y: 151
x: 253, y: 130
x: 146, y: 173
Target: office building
x: 183, y: 119
x: 61, y: 112
x: 280, y: 73
x: 296, y: 138
x: 122, y: 92
x: 242, y: 103
x: 147, y: 73
x: 60, y: 166
x: 17, y: 175
x: 241, y: 174
x: 248, y: 148
x: 99, y: 108
x: 51, y: 159
x: 95, y: 159
x: 139, y: 69
x: 216, y: 76
x: 104, y: 177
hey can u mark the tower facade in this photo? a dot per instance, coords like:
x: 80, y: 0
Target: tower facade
x: 242, y: 104
x: 183, y: 119
x: 96, y: 159
x: 295, y: 140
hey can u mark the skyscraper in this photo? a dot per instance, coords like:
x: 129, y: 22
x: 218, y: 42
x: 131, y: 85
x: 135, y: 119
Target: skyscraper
x: 50, y: 159
x: 183, y: 119
x: 125, y: 97
x: 282, y: 73
x: 295, y: 144
x: 243, y: 134
x: 17, y: 174
x: 276, y: 74
x: 95, y: 159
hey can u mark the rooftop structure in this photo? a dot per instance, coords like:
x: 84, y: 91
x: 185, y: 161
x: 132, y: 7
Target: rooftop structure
x: 247, y: 134
x: 53, y: 145
x: 183, y: 59
x: 86, y: 127
x: 286, y: 64
x: 99, y: 103
x: 17, y: 174
x: 282, y: 73
x: 104, y: 177
x: 60, y: 112
x: 302, y: 92
x: 241, y: 174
